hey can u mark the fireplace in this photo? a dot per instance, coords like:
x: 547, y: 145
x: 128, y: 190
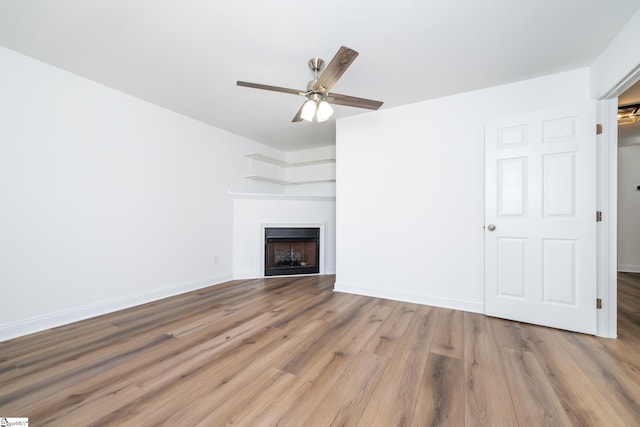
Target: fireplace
x: 291, y: 250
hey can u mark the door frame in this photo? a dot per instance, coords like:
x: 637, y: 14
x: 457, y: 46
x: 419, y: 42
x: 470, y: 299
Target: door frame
x: 607, y: 203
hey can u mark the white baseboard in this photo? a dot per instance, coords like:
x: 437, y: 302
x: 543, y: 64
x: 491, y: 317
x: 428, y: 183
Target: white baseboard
x: 59, y: 318
x: 628, y: 268
x: 454, y: 304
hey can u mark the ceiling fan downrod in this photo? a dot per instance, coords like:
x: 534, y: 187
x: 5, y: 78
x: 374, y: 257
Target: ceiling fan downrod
x: 316, y: 65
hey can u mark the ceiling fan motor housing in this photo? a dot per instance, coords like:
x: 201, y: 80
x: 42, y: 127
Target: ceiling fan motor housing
x: 316, y: 64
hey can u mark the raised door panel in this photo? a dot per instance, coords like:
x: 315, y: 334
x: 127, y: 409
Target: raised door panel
x: 512, y: 187
x: 511, y: 136
x: 511, y: 267
x: 560, y: 129
x: 559, y: 186
x: 559, y: 271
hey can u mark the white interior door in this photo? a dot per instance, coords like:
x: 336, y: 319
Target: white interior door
x: 540, y: 218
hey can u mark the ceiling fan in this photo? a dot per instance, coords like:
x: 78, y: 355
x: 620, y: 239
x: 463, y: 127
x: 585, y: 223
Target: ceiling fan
x: 318, y: 92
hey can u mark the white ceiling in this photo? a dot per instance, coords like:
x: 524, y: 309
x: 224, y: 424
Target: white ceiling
x: 187, y: 55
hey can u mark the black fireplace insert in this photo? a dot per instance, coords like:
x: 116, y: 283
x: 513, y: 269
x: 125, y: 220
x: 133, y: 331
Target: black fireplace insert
x: 291, y: 250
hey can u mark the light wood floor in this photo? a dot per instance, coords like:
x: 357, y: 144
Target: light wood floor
x: 291, y: 352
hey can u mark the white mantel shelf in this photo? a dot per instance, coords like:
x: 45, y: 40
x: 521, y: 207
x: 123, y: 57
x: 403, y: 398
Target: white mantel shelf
x: 264, y: 196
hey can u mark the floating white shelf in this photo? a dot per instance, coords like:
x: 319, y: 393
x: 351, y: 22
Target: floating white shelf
x: 283, y: 182
x: 266, y: 159
x: 285, y: 164
x: 265, y: 196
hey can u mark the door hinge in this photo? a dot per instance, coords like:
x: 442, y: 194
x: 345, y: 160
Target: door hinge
x: 598, y: 129
x: 598, y: 303
x: 598, y: 216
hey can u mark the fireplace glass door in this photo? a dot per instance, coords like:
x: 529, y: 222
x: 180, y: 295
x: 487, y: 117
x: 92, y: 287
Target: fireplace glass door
x: 291, y: 251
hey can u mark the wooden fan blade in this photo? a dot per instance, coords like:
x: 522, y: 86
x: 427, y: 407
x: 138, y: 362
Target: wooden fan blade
x: 272, y: 88
x: 352, y: 101
x: 297, y: 117
x: 338, y: 65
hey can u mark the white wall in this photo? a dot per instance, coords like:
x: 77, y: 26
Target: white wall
x: 252, y: 213
x: 410, y: 193
x: 617, y: 66
x: 106, y: 201
x: 629, y: 134
x: 629, y: 208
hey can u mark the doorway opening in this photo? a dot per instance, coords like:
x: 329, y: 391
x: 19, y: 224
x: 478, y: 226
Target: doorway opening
x: 628, y: 230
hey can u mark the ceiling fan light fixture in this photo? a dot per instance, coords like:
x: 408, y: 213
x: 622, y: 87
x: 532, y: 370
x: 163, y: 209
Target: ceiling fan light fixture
x: 319, y: 89
x: 628, y: 114
x: 324, y: 111
x: 308, y: 110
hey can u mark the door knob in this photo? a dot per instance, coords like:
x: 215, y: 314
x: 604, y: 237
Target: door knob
x: 491, y: 227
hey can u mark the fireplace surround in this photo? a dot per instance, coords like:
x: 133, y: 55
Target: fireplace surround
x: 291, y: 250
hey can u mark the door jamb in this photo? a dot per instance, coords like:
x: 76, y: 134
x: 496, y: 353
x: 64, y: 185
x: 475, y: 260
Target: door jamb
x: 607, y: 202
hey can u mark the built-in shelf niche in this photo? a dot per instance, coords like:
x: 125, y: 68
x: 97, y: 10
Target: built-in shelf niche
x: 283, y: 165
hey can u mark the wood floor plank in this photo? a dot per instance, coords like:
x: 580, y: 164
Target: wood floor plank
x: 339, y: 303
x: 194, y: 351
x: 178, y: 393
x: 487, y: 398
x: 37, y: 395
x: 580, y: 397
x: 240, y: 377
x: 146, y: 325
x: 629, y: 308
x: 440, y: 401
x: 347, y: 399
x: 393, y: 402
x: 289, y: 351
x: 533, y: 398
x: 271, y: 383
x: 37, y: 351
x: 85, y: 413
x: 357, y: 324
x: 386, y: 338
x: 603, y: 373
x: 624, y: 353
x: 221, y: 375
x: 449, y: 337
x: 240, y: 371
x: 323, y: 366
